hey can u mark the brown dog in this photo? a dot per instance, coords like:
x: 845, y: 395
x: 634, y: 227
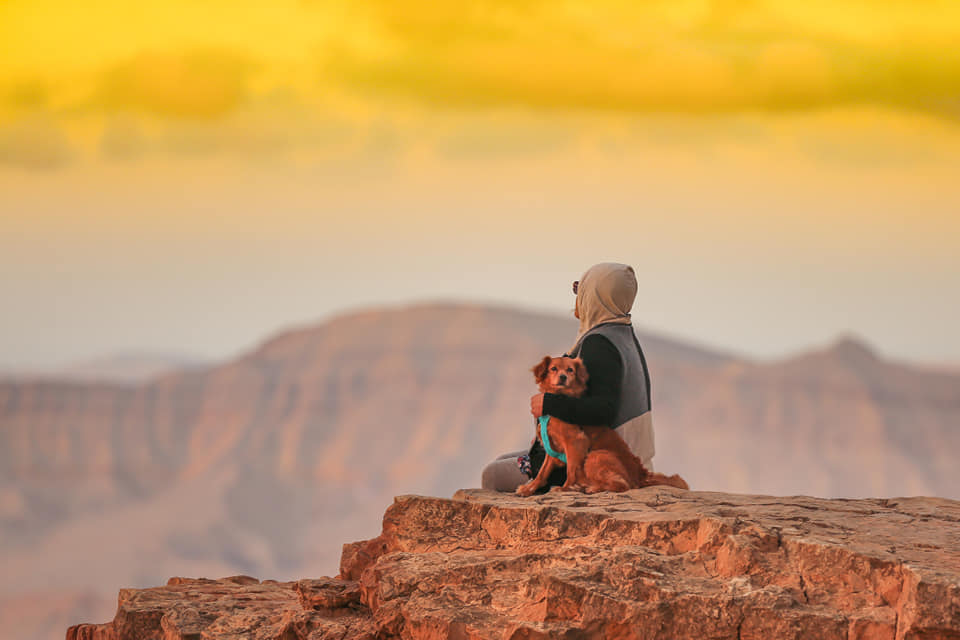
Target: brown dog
x: 597, y: 457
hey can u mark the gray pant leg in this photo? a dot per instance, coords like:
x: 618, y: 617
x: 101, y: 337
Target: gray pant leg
x: 503, y: 474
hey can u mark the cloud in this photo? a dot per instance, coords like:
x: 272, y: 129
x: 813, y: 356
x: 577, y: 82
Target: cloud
x: 123, y: 139
x: 681, y: 57
x: 29, y: 94
x: 35, y: 142
x: 196, y: 84
x: 369, y: 73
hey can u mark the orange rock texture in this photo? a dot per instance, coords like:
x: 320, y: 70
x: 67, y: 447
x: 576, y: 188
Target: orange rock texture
x: 651, y: 563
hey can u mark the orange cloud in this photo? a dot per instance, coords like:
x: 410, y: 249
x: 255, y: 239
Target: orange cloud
x: 193, y: 84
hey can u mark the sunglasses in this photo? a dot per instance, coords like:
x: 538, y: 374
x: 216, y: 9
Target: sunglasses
x: 576, y: 285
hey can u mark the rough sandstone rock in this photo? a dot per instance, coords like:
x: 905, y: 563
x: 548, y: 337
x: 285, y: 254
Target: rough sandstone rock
x: 650, y: 563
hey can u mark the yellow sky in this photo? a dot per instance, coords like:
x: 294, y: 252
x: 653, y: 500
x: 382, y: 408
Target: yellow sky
x: 182, y: 175
x: 698, y: 55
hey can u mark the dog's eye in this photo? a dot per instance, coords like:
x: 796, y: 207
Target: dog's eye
x: 569, y: 370
x: 553, y: 368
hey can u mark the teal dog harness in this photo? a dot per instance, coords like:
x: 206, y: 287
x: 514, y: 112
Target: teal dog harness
x: 546, y: 441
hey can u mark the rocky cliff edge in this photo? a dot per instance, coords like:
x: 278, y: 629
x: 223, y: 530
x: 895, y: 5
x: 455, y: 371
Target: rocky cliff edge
x: 650, y: 563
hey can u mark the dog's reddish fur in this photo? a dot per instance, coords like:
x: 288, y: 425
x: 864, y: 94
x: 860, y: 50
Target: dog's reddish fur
x: 597, y: 457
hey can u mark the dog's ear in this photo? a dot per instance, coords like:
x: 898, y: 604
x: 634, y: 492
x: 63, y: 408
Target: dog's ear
x: 540, y: 371
x: 581, y: 369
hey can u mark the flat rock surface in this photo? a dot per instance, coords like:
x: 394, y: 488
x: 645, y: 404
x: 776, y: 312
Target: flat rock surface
x: 650, y: 563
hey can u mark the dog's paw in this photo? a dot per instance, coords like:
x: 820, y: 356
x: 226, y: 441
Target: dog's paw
x: 525, y: 490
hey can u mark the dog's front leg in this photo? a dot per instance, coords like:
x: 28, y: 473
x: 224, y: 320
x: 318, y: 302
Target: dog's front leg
x: 528, y: 489
x: 576, y: 444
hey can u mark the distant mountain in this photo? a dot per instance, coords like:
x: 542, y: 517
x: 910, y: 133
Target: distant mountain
x: 835, y: 422
x: 945, y: 367
x: 263, y: 464
x: 125, y: 368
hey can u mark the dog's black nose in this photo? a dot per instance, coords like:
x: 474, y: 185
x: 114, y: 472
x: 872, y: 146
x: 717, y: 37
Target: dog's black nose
x: 563, y: 378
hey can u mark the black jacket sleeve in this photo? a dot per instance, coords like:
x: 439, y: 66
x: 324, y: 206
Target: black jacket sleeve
x: 598, y: 406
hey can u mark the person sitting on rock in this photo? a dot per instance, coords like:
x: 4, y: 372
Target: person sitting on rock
x: 618, y: 390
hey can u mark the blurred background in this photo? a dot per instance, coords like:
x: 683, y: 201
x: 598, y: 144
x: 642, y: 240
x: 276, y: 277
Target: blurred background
x: 265, y: 265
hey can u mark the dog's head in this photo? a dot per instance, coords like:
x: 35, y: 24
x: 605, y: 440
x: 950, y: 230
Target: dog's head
x: 561, y: 375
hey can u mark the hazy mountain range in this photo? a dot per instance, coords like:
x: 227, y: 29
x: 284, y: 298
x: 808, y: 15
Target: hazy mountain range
x: 120, y: 368
x: 265, y: 464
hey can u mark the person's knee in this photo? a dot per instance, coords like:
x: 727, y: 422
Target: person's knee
x: 488, y: 479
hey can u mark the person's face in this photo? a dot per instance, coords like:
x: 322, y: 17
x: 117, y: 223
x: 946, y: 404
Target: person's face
x: 576, y: 306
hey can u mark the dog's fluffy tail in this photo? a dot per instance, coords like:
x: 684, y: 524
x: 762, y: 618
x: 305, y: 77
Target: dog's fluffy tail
x: 652, y: 479
x: 645, y: 478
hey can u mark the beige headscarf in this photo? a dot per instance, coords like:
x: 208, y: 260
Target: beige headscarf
x: 605, y: 294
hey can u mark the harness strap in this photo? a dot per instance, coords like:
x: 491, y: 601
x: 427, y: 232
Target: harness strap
x: 546, y: 441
